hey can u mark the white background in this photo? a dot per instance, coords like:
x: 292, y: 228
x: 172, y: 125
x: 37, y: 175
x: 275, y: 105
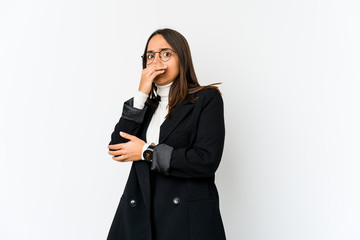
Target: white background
x: 290, y: 74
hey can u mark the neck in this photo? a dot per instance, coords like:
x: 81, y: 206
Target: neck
x: 163, y: 91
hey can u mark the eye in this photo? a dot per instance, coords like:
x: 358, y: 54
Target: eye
x: 149, y: 56
x: 167, y: 54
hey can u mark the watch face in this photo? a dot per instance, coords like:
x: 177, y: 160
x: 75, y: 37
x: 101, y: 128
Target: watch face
x: 148, y: 155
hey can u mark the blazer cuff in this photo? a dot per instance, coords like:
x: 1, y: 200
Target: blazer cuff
x: 131, y: 113
x: 161, y: 158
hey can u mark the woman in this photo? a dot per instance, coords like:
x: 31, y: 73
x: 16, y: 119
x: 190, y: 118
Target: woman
x: 173, y: 132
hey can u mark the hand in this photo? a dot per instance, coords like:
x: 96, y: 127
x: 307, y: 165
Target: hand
x: 129, y: 151
x: 149, y: 74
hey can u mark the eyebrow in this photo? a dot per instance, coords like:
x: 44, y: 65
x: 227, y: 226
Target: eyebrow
x: 159, y: 49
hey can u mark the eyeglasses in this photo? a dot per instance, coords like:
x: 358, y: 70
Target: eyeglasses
x: 165, y: 55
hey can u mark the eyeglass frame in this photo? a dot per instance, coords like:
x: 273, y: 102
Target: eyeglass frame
x: 142, y: 56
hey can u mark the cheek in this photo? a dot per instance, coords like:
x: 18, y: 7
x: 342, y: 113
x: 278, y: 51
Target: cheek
x: 173, y: 69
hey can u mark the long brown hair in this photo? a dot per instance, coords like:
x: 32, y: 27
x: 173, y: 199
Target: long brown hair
x: 186, y: 83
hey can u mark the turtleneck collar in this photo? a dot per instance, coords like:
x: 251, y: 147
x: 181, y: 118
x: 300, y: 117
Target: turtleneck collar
x: 163, y: 91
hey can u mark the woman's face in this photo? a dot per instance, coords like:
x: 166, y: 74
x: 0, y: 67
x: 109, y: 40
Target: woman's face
x: 156, y: 43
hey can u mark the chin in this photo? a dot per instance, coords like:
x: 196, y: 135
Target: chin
x: 160, y: 81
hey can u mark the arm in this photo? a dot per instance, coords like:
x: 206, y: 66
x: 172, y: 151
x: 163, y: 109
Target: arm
x: 140, y: 99
x: 130, y: 120
x: 203, y: 158
x: 139, y: 102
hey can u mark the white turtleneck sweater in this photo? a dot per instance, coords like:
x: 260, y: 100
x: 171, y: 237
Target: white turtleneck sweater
x: 153, y: 131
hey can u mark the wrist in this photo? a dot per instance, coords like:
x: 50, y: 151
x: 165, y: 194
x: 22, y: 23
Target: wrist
x: 143, y: 91
x: 145, y: 146
x: 140, y: 99
x: 148, y: 152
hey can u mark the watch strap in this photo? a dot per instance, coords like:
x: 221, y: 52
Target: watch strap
x: 146, y: 148
x: 146, y: 145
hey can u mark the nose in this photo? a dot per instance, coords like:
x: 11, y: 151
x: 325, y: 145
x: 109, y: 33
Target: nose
x: 157, y: 57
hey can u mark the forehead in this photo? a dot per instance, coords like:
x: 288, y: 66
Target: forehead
x: 157, y: 43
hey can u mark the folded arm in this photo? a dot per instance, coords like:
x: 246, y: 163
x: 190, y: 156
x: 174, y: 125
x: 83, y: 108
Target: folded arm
x: 203, y: 157
x: 132, y: 116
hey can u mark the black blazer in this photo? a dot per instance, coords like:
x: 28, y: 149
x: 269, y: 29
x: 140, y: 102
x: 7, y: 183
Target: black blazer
x: 175, y: 197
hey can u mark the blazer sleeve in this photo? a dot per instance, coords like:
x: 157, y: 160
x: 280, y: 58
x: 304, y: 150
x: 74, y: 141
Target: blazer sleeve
x: 130, y: 121
x: 203, y: 157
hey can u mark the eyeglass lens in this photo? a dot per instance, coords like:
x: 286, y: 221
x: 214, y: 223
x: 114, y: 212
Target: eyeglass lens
x: 165, y: 55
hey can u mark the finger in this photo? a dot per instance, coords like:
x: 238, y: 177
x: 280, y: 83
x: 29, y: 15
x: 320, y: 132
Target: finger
x: 116, y: 146
x: 116, y: 153
x: 121, y: 158
x: 126, y: 135
x: 156, y: 66
x: 154, y: 74
x: 159, y: 68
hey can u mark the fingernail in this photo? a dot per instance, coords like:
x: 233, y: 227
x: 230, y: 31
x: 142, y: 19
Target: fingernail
x: 121, y: 133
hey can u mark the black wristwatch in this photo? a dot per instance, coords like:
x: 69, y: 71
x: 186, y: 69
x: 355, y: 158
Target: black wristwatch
x: 148, y: 153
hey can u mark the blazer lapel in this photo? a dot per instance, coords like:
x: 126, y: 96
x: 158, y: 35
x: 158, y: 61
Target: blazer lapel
x: 178, y: 114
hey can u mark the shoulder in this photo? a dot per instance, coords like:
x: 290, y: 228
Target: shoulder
x: 208, y: 95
